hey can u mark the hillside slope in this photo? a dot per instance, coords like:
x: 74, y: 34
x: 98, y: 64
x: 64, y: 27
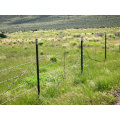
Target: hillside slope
x: 11, y: 23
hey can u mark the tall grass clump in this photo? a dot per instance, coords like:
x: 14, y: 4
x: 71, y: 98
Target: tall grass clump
x: 73, y: 43
x: 53, y: 59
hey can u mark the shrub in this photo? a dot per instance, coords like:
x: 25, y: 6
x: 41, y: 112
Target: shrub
x: 41, y: 53
x: 53, y: 59
x: 64, y: 46
x: 30, y: 42
x: 42, y: 70
x: 117, y: 34
x: 25, y: 48
x: 14, y: 42
x: 2, y: 35
x: 73, y: 43
x: 40, y: 43
x: 111, y: 36
x: 99, y: 34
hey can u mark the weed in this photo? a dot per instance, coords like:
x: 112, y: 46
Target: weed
x: 53, y: 59
x: 41, y: 52
x: 73, y: 43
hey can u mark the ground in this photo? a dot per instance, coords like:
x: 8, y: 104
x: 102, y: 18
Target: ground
x: 61, y: 81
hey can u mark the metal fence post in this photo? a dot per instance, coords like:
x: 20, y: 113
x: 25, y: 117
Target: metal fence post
x: 64, y: 64
x: 37, y: 63
x: 105, y: 46
x: 81, y: 54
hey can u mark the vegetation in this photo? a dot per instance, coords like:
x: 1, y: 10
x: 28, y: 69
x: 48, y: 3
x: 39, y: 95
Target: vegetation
x: 60, y: 84
x: 34, y: 23
x: 2, y: 35
x: 53, y: 59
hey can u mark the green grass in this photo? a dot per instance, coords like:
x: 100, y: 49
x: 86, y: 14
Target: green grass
x: 96, y: 86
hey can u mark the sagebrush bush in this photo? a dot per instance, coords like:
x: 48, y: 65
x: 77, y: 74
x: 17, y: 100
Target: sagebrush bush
x: 42, y: 70
x: 25, y: 47
x: 41, y: 53
x: 14, y: 42
x: 53, y: 59
x: 117, y: 34
x: 99, y: 34
x: 73, y: 43
x: 2, y: 35
x: 40, y: 43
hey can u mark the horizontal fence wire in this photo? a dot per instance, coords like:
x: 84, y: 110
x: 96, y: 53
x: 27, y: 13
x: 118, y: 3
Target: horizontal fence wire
x: 15, y: 66
x: 18, y: 77
x: 9, y: 79
x: 46, y: 81
x: 12, y: 78
x: 20, y: 86
x: 92, y: 58
x: 18, y: 95
x: 26, y: 72
x: 16, y: 80
x: 18, y: 65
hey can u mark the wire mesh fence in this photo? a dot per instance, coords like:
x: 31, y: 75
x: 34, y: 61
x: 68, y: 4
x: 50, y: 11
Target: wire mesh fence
x: 54, y: 77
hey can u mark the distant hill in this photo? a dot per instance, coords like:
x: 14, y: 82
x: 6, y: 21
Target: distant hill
x: 11, y: 23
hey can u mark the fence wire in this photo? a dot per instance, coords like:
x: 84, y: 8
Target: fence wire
x: 70, y: 68
x: 16, y: 80
x: 92, y: 58
x: 18, y: 95
x: 15, y: 66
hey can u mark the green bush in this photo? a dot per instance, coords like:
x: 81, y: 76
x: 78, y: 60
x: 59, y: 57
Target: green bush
x: 53, y: 59
x: 30, y: 42
x: 41, y: 53
x: 73, y: 43
x: 40, y: 43
x: 25, y: 48
x: 42, y: 70
x: 14, y: 42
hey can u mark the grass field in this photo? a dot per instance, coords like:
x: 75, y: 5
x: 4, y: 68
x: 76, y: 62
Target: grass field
x: 61, y: 81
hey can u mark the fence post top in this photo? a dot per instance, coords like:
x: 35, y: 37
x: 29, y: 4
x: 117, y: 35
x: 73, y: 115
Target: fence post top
x: 36, y: 41
x: 81, y: 38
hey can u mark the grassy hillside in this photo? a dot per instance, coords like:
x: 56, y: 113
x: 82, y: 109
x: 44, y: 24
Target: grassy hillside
x: 61, y: 81
x: 45, y: 22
